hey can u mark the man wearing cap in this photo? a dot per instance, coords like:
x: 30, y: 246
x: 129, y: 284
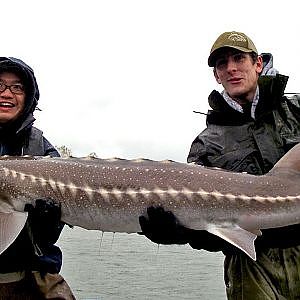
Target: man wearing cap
x: 250, y: 126
x: 29, y: 267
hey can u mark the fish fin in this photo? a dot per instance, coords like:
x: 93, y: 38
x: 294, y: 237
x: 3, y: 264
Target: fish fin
x: 288, y: 165
x: 257, y: 232
x: 237, y: 236
x: 11, y: 225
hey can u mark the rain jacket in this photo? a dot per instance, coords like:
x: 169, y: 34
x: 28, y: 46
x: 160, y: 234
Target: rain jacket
x: 237, y: 142
x: 20, y: 138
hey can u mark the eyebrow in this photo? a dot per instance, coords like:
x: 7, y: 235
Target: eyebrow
x: 17, y: 81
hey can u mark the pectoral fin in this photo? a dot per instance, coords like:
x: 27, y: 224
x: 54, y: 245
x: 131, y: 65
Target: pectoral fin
x: 10, y: 226
x: 236, y: 236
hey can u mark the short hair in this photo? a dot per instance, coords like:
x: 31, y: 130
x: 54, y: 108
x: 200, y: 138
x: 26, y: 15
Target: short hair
x: 254, y: 56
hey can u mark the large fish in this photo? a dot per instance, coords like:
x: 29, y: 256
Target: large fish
x: 110, y: 195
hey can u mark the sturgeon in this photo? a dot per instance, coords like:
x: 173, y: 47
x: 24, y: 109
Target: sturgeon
x: 111, y: 194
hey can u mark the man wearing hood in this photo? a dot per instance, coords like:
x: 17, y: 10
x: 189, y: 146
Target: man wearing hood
x: 29, y: 267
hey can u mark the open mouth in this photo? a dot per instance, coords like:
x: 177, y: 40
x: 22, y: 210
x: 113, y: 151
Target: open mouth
x: 235, y: 80
x: 6, y: 104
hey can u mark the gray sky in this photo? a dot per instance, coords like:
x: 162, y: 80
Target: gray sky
x: 122, y: 78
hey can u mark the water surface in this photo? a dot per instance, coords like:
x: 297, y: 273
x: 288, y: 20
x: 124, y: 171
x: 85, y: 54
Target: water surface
x: 129, y: 266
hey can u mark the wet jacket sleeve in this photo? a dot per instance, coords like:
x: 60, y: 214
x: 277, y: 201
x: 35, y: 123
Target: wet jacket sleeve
x: 198, y: 152
x: 44, y: 227
x: 280, y: 238
x: 283, y: 237
x: 49, y: 149
x: 202, y: 239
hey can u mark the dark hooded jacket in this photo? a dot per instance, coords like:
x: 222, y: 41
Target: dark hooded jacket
x: 19, y: 137
x: 235, y: 141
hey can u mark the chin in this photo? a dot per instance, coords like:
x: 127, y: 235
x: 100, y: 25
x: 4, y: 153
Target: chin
x: 5, y: 119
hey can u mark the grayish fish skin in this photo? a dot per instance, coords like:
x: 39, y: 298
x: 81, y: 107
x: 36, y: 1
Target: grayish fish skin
x: 111, y: 194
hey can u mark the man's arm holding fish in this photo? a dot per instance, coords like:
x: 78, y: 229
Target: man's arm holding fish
x: 44, y: 226
x: 162, y: 227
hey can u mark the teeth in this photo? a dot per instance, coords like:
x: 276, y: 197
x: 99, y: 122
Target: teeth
x: 6, y: 104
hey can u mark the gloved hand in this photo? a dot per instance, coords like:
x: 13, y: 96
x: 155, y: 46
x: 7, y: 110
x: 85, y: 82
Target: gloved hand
x: 44, y: 221
x: 163, y: 227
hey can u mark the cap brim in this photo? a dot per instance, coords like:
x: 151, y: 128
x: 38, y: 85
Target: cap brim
x: 214, y: 54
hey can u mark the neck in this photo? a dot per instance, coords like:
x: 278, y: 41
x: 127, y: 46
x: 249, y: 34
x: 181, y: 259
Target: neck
x: 245, y: 98
x: 242, y: 100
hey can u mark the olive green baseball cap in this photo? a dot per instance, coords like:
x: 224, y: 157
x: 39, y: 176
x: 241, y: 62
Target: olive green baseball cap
x: 231, y: 39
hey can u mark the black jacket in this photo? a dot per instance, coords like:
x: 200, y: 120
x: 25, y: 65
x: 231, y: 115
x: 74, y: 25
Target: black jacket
x: 20, y: 138
x: 236, y: 142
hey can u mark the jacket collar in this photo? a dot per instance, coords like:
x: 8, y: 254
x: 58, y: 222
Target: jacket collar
x: 271, y: 90
x: 13, y: 130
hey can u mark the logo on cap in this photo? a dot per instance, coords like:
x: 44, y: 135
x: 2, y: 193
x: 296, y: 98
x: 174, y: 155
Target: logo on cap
x: 235, y: 37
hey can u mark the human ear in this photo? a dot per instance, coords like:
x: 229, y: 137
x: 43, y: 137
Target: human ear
x: 259, y: 64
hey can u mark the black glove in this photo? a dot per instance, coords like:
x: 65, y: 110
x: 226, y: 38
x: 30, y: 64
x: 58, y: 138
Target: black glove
x: 162, y: 227
x: 44, y: 221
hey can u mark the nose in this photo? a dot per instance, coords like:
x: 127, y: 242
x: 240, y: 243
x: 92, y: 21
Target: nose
x: 231, y: 65
x: 6, y: 93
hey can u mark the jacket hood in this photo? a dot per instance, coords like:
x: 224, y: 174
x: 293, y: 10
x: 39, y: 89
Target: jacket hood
x: 26, y: 74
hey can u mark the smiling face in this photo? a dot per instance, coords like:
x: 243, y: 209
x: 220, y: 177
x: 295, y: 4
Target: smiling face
x: 238, y: 74
x: 11, y: 104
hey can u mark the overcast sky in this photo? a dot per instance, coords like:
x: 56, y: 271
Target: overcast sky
x: 122, y: 78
